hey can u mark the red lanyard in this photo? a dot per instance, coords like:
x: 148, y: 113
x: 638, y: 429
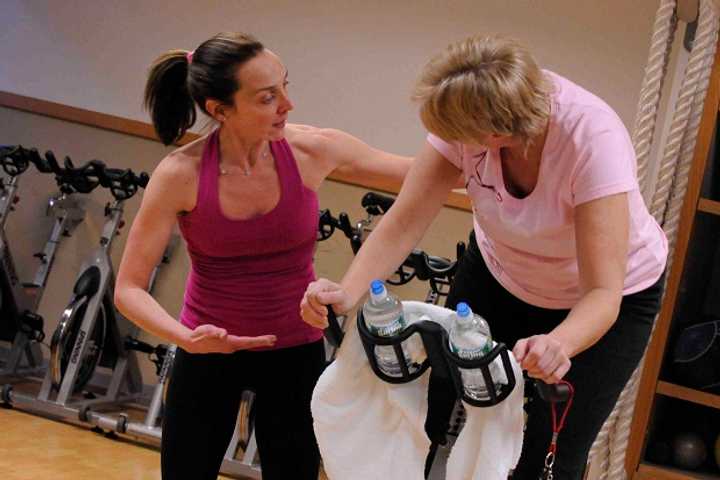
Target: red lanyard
x: 557, y: 426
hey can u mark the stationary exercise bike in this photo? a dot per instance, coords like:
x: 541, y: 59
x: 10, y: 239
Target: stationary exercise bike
x: 91, y: 332
x: 163, y: 356
x: 19, y: 322
x: 90, y: 329
x: 439, y: 273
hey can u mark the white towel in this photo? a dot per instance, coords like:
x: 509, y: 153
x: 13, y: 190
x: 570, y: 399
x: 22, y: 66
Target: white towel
x: 368, y: 429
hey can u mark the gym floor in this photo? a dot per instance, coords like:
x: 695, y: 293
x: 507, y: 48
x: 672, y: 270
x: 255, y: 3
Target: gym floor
x: 33, y: 447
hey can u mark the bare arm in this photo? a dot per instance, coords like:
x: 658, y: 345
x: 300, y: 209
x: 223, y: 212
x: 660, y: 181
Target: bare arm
x: 171, y: 190
x: 601, y: 235
x: 148, y: 236
x: 427, y: 186
x: 351, y: 156
x: 322, y: 151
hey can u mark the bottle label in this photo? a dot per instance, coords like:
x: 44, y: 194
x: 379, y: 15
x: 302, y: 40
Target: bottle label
x: 389, y: 330
x: 471, y: 353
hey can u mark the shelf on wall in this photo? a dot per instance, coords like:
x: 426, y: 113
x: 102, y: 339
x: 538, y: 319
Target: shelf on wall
x: 689, y: 394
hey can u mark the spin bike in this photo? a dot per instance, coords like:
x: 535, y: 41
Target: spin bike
x: 91, y: 332
x: 162, y: 356
x: 21, y: 325
x: 439, y: 273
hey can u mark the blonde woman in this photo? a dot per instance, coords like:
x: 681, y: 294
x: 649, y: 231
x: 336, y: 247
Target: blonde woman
x: 564, y: 261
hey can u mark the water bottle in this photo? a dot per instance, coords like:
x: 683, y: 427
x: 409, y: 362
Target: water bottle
x: 470, y: 339
x: 383, y: 314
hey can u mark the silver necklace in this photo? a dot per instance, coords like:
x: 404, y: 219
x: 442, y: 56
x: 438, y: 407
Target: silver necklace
x: 245, y: 169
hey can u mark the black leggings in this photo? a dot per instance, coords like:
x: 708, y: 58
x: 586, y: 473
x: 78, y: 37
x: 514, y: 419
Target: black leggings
x: 203, y: 402
x: 598, y: 374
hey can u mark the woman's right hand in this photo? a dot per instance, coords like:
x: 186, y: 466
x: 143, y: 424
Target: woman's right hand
x: 211, y: 339
x: 319, y: 294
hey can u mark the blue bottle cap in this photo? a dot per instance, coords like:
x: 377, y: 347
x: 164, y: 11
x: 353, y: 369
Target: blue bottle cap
x: 377, y: 287
x: 463, y: 309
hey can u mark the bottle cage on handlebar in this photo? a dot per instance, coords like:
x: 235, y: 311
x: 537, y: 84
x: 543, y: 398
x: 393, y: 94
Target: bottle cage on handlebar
x: 435, y: 340
x: 441, y: 359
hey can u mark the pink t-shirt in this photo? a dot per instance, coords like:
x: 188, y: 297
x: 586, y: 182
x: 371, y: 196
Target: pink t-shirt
x: 529, y: 244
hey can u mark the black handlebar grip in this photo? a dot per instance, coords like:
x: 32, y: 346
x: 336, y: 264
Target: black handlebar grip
x: 13, y: 160
x: 377, y: 204
x: 333, y: 333
x: 559, y: 392
x: 52, y: 163
x: 143, y: 179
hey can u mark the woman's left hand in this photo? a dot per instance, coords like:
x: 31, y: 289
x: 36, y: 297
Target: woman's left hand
x: 543, y: 357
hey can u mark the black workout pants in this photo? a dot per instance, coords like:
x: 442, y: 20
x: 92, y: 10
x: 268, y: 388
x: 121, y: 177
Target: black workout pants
x: 598, y: 374
x: 202, y: 407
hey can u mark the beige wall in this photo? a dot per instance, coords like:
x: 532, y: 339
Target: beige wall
x: 351, y: 63
x: 27, y: 228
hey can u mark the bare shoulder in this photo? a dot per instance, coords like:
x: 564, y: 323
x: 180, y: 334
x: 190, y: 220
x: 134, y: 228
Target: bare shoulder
x: 313, y: 150
x: 314, y: 141
x: 182, y: 164
x: 176, y: 177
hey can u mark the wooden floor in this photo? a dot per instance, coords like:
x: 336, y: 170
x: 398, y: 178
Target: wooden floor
x: 33, y: 447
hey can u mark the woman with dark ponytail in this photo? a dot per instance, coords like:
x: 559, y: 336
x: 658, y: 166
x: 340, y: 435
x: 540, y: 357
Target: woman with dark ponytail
x: 246, y: 203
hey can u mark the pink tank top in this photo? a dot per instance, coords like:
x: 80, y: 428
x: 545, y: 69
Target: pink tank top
x: 248, y: 276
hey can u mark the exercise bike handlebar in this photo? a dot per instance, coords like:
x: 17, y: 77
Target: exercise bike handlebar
x: 159, y: 350
x: 15, y: 159
x: 328, y: 224
x: 418, y: 264
x: 376, y: 203
x: 334, y: 333
x: 71, y: 179
x: 122, y: 184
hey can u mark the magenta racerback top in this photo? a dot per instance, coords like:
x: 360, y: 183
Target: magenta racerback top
x: 248, y: 276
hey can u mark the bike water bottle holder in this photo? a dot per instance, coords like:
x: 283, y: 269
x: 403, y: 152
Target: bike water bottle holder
x: 443, y: 361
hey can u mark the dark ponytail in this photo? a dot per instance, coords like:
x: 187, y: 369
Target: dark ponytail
x: 167, y: 97
x: 175, y: 84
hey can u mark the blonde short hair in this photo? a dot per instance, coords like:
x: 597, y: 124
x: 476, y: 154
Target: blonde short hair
x: 483, y: 85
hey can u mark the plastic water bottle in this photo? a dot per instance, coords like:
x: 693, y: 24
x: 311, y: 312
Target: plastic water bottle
x: 383, y: 314
x: 470, y: 339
